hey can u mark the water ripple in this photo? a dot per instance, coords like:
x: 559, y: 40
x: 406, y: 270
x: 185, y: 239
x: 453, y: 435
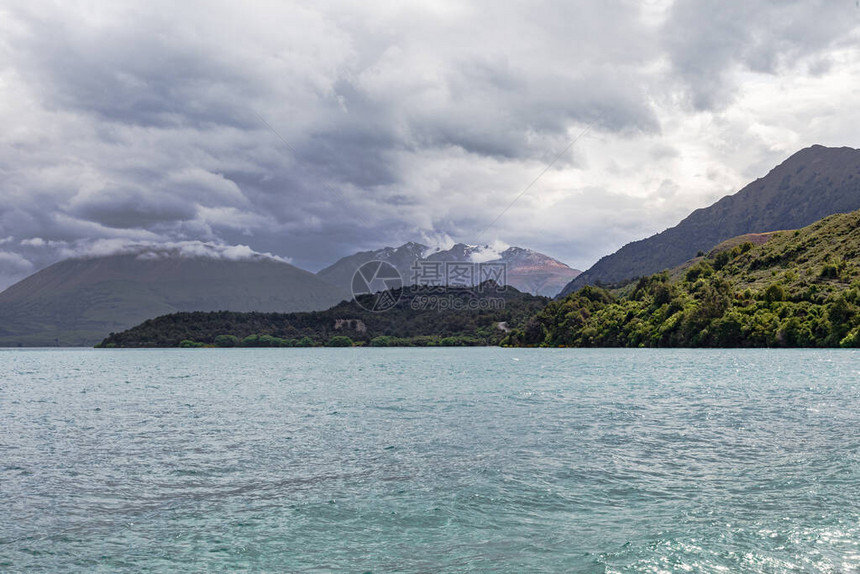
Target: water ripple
x: 455, y: 460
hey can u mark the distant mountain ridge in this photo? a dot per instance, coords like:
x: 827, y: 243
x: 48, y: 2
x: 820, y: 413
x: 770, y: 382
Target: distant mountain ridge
x: 811, y: 184
x: 526, y: 270
x: 340, y: 273
x: 79, y: 301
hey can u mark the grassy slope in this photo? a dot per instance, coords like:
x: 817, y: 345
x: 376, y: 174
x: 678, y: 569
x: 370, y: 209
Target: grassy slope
x: 799, y: 288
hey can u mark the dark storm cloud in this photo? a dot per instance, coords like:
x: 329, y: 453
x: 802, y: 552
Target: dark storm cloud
x: 148, y: 70
x: 127, y: 73
x: 127, y: 208
x: 315, y: 131
x: 495, y: 119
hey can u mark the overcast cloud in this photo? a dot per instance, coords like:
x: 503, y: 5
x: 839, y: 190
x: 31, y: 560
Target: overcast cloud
x: 311, y: 132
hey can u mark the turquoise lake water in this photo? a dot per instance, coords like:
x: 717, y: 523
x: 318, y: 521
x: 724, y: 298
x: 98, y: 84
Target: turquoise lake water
x: 429, y: 460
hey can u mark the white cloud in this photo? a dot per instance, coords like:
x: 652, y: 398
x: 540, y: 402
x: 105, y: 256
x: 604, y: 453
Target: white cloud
x: 485, y: 253
x: 183, y: 249
x: 436, y: 241
x: 33, y: 242
x: 14, y: 263
x: 13, y: 268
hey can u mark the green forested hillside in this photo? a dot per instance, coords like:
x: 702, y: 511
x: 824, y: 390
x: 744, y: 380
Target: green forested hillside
x: 421, y: 317
x: 798, y: 289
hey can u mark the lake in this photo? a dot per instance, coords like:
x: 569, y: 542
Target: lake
x: 429, y: 460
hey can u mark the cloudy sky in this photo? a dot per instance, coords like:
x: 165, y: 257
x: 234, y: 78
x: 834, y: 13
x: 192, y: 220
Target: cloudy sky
x: 313, y: 130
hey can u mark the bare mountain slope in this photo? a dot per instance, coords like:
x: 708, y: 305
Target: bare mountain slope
x: 811, y: 184
x: 80, y: 301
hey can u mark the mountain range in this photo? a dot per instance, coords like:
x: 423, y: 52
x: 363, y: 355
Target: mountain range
x: 79, y: 301
x: 811, y: 184
x: 525, y: 269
